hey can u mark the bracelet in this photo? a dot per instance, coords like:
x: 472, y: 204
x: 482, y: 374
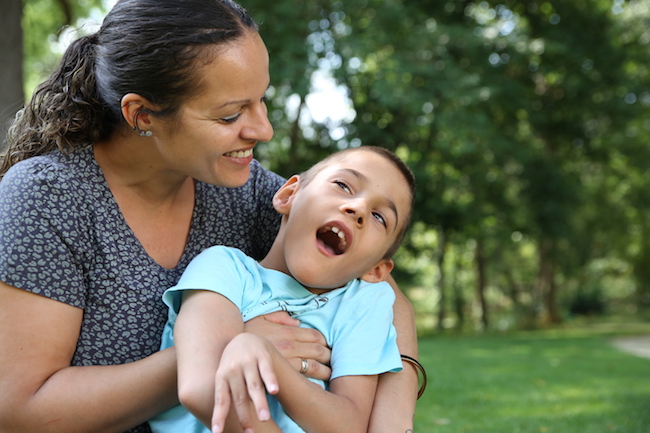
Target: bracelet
x: 420, y: 369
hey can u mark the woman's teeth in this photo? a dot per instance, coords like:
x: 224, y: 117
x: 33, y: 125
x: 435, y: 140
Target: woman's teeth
x: 239, y: 154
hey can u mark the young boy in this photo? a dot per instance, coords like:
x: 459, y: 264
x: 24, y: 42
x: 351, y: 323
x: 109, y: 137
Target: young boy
x: 342, y: 221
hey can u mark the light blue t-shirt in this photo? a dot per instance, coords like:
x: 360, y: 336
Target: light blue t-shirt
x: 356, y: 321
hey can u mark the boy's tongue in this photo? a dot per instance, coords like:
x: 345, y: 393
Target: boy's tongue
x: 332, y: 239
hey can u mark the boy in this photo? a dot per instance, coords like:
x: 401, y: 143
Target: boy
x: 342, y: 221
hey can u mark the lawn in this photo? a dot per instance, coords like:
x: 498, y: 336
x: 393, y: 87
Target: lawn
x: 569, y: 381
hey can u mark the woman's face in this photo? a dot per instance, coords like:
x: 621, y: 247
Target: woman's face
x: 213, y: 136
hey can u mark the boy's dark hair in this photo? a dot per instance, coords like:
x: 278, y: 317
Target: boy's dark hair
x: 308, y: 175
x: 148, y: 47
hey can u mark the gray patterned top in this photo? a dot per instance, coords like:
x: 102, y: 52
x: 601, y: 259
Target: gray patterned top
x: 63, y: 236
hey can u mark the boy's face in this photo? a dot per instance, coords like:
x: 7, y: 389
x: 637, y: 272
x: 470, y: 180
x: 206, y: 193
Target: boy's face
x: 341, y: 224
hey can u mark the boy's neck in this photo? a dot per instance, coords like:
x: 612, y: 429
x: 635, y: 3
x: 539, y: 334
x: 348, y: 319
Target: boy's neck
x: 274, y: 260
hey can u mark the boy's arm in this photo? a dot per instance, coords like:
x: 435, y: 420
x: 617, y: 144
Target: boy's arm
x: 394, y: 406
x: 346, y: 407
x: 250, y: 361
x: 206, y: 322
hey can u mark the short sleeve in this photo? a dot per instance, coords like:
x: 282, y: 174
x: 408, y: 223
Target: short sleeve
x: 218, y: 269
x: 364, y: 338
x: 42, y: 231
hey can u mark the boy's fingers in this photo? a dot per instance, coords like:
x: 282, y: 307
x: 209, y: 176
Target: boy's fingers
x: 221, y: 407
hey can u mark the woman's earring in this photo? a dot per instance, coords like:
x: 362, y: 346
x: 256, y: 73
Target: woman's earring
x: 142, y: 132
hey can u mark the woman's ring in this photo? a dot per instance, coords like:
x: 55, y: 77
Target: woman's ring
x: 304, y: 366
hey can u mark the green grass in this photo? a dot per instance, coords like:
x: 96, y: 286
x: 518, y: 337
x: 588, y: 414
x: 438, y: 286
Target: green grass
x: 571, y: 381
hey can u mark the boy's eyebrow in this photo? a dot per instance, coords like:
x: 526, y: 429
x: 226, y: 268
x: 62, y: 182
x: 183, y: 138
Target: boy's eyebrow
x: 390, y: 202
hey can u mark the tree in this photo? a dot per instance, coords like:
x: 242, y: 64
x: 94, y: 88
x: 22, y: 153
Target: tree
x: 11, y: 67
x: 30, y: 28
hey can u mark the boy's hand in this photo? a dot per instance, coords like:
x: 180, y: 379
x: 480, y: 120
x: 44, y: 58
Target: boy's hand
x: 245, y: 374
x: 294, y: 343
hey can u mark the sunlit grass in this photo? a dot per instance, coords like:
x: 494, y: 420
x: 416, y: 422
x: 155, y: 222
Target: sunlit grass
x: 537, y: 382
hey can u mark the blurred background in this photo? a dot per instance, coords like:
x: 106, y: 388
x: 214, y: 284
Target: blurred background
x: 526, y: 122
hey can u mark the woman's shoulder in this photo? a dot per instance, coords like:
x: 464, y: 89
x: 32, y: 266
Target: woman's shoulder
x: 51, y: 183
x: 263, y: 179
x: 54, y: 171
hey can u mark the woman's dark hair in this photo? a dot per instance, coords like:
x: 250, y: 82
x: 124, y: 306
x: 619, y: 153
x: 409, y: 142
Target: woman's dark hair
x: 147, y: 47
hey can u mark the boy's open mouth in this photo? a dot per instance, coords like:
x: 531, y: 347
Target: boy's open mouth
x: 333, y: 238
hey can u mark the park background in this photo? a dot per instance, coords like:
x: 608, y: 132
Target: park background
x: 527, y: 124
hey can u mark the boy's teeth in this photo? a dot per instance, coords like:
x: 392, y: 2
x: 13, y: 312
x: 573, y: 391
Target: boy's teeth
x: 340, y: 233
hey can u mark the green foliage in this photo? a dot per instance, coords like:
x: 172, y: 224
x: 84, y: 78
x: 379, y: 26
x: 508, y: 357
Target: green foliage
x: 525, y: 123
x: 44, y: 21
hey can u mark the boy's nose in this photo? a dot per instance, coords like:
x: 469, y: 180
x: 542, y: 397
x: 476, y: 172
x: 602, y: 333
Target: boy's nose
x: 356, y: 209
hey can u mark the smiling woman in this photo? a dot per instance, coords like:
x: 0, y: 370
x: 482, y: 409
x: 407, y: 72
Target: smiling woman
x: 114, y: 180
x: 134, y: 156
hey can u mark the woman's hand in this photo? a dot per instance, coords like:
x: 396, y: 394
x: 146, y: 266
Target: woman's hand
x: 295, y: 344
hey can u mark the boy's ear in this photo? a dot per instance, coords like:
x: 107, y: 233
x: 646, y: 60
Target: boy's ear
x: 380, y: 272
x: 283, y: 198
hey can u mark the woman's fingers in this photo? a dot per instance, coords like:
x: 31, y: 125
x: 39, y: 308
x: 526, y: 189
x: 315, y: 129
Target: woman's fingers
x: 314, y: 369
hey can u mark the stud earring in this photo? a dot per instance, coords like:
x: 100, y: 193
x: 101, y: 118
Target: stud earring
x: 143, y: 133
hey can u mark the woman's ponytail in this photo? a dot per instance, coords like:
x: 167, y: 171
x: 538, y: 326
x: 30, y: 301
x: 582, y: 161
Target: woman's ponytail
x: 65, y: 111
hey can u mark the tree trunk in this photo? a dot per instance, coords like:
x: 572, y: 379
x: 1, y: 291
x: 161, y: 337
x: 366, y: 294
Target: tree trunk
x: 442, y: 304
x: 459, y: 299
x: 12, y: 97
x: 546, y: 283
x: 479, y: 259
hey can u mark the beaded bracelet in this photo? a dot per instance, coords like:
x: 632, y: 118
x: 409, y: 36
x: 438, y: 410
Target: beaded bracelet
x: 420, y: 369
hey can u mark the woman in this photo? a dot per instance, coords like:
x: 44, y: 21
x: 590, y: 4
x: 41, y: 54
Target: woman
x: 134, y: 156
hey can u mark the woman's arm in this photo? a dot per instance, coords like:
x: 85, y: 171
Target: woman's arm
x: 396, y: 396
x: 41, y: 392
x: 250, y: 366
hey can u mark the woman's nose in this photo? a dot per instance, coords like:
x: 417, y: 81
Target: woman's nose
x: 259, y: 127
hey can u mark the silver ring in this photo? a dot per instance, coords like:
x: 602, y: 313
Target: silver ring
x: 304, y: 366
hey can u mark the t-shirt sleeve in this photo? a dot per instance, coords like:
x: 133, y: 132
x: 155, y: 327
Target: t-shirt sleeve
x: 43, y: 232
x: 364, y: 338
x: 217, y: 269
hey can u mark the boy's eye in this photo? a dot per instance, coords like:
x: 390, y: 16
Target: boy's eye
x: 230, y: 119
x: 344, y: 186
x: 379, y: 217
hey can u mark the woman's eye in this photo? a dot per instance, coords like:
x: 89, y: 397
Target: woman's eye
x: 344, y: 186
x: 230, y: 119
x: 379, y: 218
